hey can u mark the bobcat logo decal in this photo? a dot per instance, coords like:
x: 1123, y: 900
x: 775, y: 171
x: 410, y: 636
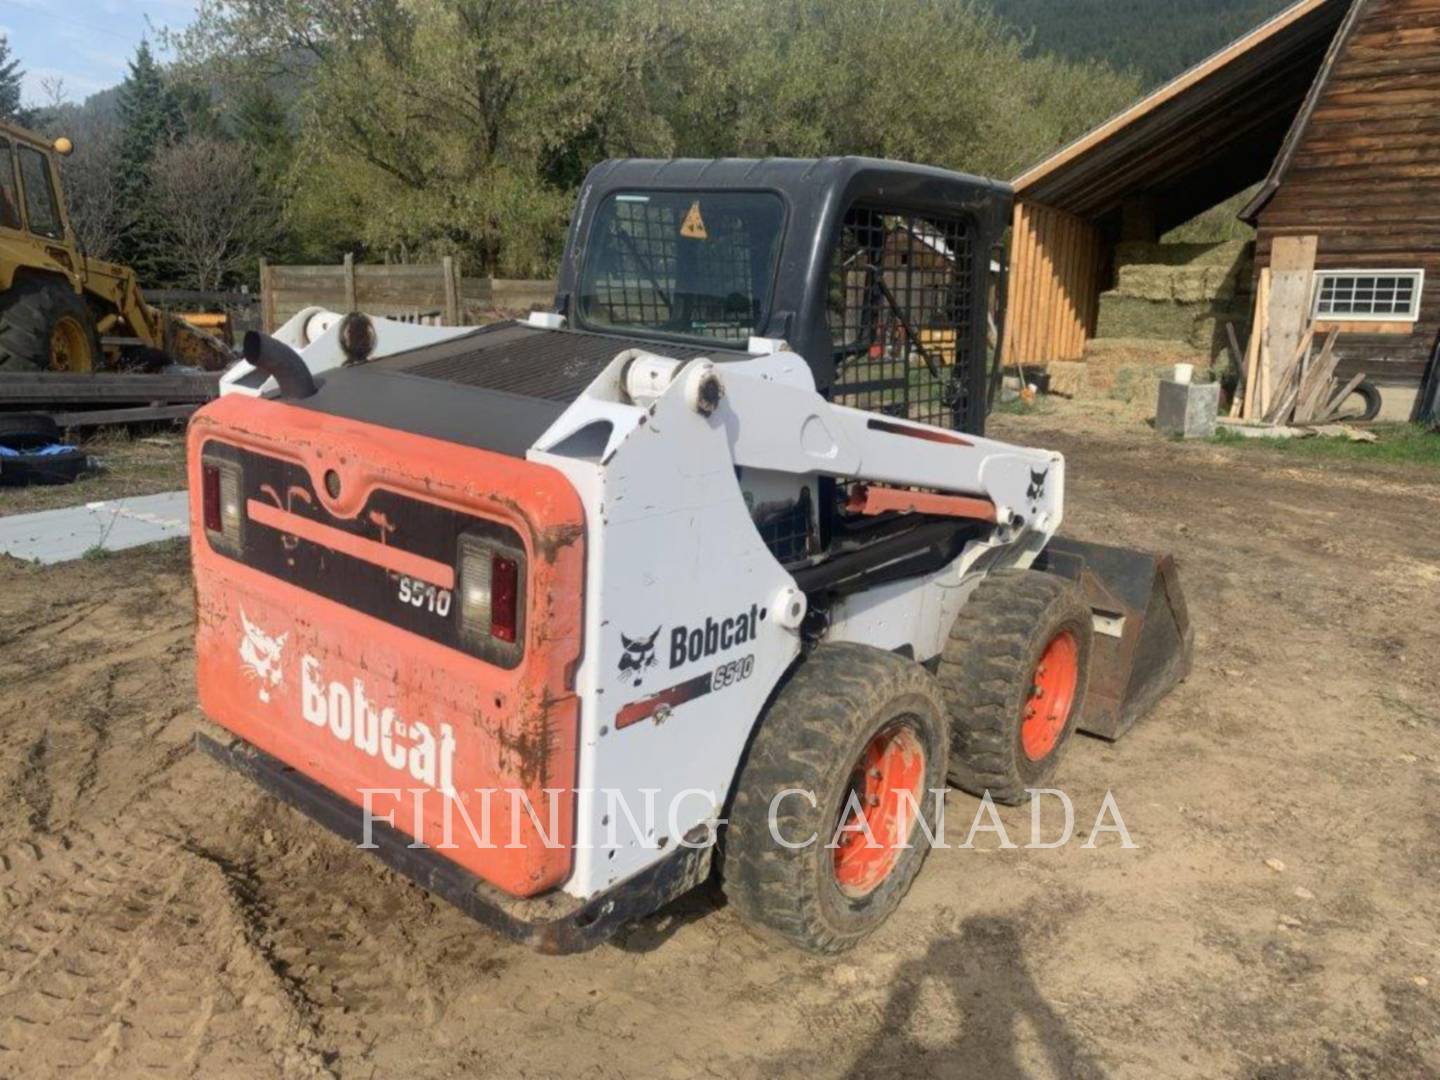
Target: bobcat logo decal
x: 639, y: 655
x: 261, y: 655
x: 1037, y: 485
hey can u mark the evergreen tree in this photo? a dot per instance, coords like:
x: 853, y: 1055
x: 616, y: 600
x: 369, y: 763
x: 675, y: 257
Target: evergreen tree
x: 262, y: 125
x: 196, y: 109
x: 150, y: 120
x: 10, y: 76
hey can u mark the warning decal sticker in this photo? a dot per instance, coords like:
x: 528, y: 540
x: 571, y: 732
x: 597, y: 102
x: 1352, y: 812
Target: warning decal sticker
x: 694, y: 225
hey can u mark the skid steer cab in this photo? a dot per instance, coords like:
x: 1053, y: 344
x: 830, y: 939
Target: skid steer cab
x: 536, y: 611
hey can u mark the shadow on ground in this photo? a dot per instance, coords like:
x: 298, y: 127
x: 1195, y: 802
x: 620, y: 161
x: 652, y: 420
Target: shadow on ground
x: 982, y: 970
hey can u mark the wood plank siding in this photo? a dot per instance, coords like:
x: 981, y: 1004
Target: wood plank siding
x: 1054, y: 285
x: 1362, y: 173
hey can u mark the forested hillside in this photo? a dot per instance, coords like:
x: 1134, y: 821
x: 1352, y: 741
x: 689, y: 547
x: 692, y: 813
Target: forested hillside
x: 1157, y: 39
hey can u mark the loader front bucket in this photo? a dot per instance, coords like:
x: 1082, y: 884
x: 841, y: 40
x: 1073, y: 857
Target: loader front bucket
x: 1143, y: 638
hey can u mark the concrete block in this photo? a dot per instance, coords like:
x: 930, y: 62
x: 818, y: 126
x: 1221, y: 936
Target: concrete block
x: 1187, y: 409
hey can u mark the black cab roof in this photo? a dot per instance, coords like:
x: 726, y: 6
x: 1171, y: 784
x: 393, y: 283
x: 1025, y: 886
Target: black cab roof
x: 818, y: 193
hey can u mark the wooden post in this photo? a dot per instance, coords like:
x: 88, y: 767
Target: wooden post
x: 452, y: 292
x: 350, y: 304
x: 267, y: 299
x: 1254, y: 355
x: 1287, y: 310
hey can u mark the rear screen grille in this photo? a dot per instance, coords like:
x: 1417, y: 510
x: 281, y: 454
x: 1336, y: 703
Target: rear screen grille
x: 901, y: 309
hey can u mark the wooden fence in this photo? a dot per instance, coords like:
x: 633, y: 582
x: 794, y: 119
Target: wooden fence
x: 434, y: 293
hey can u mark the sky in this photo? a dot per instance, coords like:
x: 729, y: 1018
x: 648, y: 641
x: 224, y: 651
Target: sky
x: 84, y: 42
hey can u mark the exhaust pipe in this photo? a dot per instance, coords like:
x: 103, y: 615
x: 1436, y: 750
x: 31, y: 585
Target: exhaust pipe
x: 281, y: 363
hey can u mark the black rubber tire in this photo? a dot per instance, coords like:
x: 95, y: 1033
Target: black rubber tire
x: 21, y: 431
x: 987, y: 669
x: 28, y: 314
x: 43, y: 468
x: 1369, y: 394
x: 810, y: 738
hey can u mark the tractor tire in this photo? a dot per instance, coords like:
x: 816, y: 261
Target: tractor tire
x: 1368, y: 407
x: 855, y: 727
x: 1015, y: 669
x: 21, y: 431
x: 63, y: 467
x: 45, y: 326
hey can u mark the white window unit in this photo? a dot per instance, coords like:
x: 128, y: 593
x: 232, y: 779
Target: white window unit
x: 1368, y: 295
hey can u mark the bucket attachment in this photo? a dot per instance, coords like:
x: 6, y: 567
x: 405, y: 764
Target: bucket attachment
x: 1143, y: 638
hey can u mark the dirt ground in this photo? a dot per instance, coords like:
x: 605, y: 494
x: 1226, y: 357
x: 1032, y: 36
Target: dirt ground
x: 158, y: 915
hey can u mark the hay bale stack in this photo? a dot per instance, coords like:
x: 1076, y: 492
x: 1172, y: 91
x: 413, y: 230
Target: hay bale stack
x: 1178, y: 293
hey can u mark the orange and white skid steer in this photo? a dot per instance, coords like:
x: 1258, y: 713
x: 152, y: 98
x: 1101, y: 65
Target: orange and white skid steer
x: 538, y: 612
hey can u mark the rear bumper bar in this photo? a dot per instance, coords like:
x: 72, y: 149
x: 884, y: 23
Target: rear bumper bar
x: 554, y: 923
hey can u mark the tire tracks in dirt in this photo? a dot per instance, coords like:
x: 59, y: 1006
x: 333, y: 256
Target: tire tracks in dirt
x: 127, y: 950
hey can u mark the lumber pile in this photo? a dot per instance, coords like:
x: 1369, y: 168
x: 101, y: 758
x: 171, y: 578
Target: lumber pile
x: 95, y: 398
x: 1284, y: 378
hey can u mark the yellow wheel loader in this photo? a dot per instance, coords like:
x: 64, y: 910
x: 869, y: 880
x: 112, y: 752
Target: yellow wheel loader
x: 60, y: 309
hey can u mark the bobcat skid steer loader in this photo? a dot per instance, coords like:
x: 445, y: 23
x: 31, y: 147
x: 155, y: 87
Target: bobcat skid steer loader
x: 717, y: 550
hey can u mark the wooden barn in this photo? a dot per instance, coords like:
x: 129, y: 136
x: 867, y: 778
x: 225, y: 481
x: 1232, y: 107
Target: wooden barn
x: 1333, y: 108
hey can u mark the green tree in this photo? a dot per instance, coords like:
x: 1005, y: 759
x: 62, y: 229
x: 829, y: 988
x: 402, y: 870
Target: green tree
x: 262, y: 125
x: 10, y: 76
x: 942, y: 82
x: 465, y: 126
x: 150, y: 121
x: 435, y: 127
x: 196, y: 109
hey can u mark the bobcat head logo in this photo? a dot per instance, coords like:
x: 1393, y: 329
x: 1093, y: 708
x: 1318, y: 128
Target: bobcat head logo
x: 1037, y: 485
x: 261, y: 654
x: 638, y: 656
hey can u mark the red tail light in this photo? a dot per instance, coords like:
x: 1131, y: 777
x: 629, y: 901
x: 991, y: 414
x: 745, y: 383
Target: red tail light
x: 504, y: 593
x: 492, y: 599
x: 210, y: 496
x: 220, y: 503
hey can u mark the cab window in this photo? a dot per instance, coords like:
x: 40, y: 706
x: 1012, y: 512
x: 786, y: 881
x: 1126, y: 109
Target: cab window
x: 9, y: 200
x: 41, y: 211
x: 688, y: 264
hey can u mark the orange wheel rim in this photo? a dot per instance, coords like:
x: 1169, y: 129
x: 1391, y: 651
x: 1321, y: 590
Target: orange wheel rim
x: 876, y: 817
x: 1052, y: 694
